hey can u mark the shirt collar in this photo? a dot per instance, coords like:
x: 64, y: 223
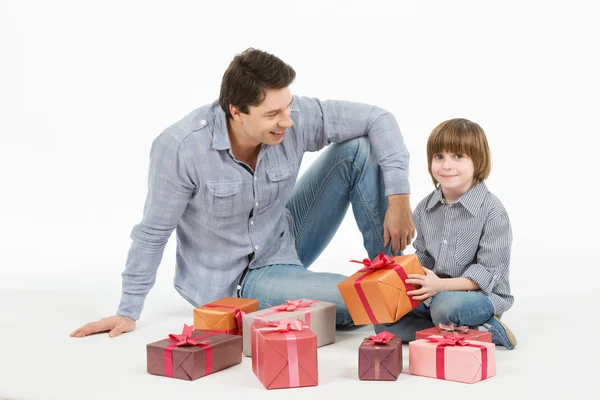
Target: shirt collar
x: 220, y: 139
x: 471, y: 200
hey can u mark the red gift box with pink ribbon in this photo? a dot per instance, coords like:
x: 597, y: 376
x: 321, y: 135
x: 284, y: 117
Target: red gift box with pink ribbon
x: 453, y: 358
x: 319, y: 316
x: 452, y: 329
x: 192, y: 354
x: 376, y: 294
x: 284, y: 354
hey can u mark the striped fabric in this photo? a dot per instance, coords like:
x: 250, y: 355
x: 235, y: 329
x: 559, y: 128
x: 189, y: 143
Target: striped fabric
x: 471, y: 238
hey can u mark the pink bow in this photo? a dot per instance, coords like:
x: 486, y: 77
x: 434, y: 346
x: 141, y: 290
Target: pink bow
x: 284, y: 325
x: 449, y: 340
x: 380, y: 338
x: 185, y: 338
x: 452, y: 328
x: 293, y: 305
x: 378, y: 262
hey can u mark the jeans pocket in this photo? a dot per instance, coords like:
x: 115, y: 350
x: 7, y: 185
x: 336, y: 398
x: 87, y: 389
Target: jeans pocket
x: 224, y: 198
x: 467, y: 242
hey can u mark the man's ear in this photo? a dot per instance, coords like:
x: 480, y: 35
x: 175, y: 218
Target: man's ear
x: 235, y: 113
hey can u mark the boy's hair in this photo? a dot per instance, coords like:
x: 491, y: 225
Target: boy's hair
x: 460, y: 135
x: 249, y: 75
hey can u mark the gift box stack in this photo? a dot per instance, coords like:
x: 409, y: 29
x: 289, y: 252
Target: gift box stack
x: 283, y: 339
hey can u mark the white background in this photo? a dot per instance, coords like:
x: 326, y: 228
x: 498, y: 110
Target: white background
x: 86, y: 86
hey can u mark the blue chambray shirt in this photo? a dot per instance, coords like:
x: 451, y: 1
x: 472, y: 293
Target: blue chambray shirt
x: 222, y: 213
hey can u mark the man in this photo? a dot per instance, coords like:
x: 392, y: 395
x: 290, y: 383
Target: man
x: 225, y: 178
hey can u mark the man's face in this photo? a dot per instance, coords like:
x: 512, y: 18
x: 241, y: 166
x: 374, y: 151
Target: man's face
x: 267, y: 122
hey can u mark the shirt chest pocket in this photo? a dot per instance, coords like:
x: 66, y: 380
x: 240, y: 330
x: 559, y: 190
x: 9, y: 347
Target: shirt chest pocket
x: 224, y: 198
x: 467, y: 243
x: 281, y: 179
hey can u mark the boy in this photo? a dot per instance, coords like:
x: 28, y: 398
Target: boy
x: 463, y: 240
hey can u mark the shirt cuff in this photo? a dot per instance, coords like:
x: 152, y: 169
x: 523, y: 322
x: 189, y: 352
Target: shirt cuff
x: 396, y: 182
x: 131, y: 305
x: 482, y: 277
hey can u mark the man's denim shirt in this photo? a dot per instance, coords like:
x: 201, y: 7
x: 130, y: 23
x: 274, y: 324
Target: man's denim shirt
x: 227, y: 218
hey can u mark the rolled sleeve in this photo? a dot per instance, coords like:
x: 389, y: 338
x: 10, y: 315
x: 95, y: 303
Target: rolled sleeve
x: 493, y: 255
x: 334, y: 121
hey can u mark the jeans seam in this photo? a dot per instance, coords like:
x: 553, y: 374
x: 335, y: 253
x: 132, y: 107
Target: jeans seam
x: 366, y: 209
x: 319, y: 191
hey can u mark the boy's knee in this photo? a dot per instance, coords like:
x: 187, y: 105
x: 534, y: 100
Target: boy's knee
x: 445, y: 309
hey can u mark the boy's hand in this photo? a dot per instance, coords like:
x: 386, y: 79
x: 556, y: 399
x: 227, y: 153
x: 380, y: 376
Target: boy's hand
x: 116, y: 325
x: 398, y: 226
x: 430, y: 284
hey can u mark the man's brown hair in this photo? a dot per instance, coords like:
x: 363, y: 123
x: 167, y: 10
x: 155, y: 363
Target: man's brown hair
x: 249, y: 75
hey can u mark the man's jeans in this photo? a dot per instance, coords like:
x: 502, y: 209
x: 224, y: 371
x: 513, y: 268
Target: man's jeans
x: 345, y: 174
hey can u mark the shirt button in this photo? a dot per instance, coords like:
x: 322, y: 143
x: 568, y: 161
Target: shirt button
x: 251, y: 222
x: 257, y: 204
x: 445, y: 241
x: 203, y: 122
x: 255, y: 247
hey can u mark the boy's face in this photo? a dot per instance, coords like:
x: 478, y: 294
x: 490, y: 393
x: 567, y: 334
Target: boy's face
x: 454, y: 171
x: 267, y: 122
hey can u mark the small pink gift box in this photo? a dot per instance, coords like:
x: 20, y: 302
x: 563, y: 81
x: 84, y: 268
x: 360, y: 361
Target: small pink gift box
x: 452, y: 358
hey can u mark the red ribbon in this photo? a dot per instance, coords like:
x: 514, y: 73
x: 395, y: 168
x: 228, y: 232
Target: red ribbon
x: 238, y: 319
x: 380, y: 338
x: 186, y: 339
x: 382, y: 261
x: 459, y: 340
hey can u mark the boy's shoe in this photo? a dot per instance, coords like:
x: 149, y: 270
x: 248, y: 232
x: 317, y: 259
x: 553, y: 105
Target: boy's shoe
x: 500, y: 333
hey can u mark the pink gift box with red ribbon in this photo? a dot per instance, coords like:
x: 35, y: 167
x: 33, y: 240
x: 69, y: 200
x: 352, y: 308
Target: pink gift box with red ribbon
x: 284, y: 354
x: 452, y: 358
x: 319, y: 316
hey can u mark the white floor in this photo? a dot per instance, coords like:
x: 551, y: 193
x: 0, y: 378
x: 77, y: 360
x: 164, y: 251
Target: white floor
x: 556, y: 357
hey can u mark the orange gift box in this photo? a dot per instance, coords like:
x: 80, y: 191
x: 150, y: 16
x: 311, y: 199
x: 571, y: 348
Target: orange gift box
x: 224, y: 315
x: 376, y: 294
